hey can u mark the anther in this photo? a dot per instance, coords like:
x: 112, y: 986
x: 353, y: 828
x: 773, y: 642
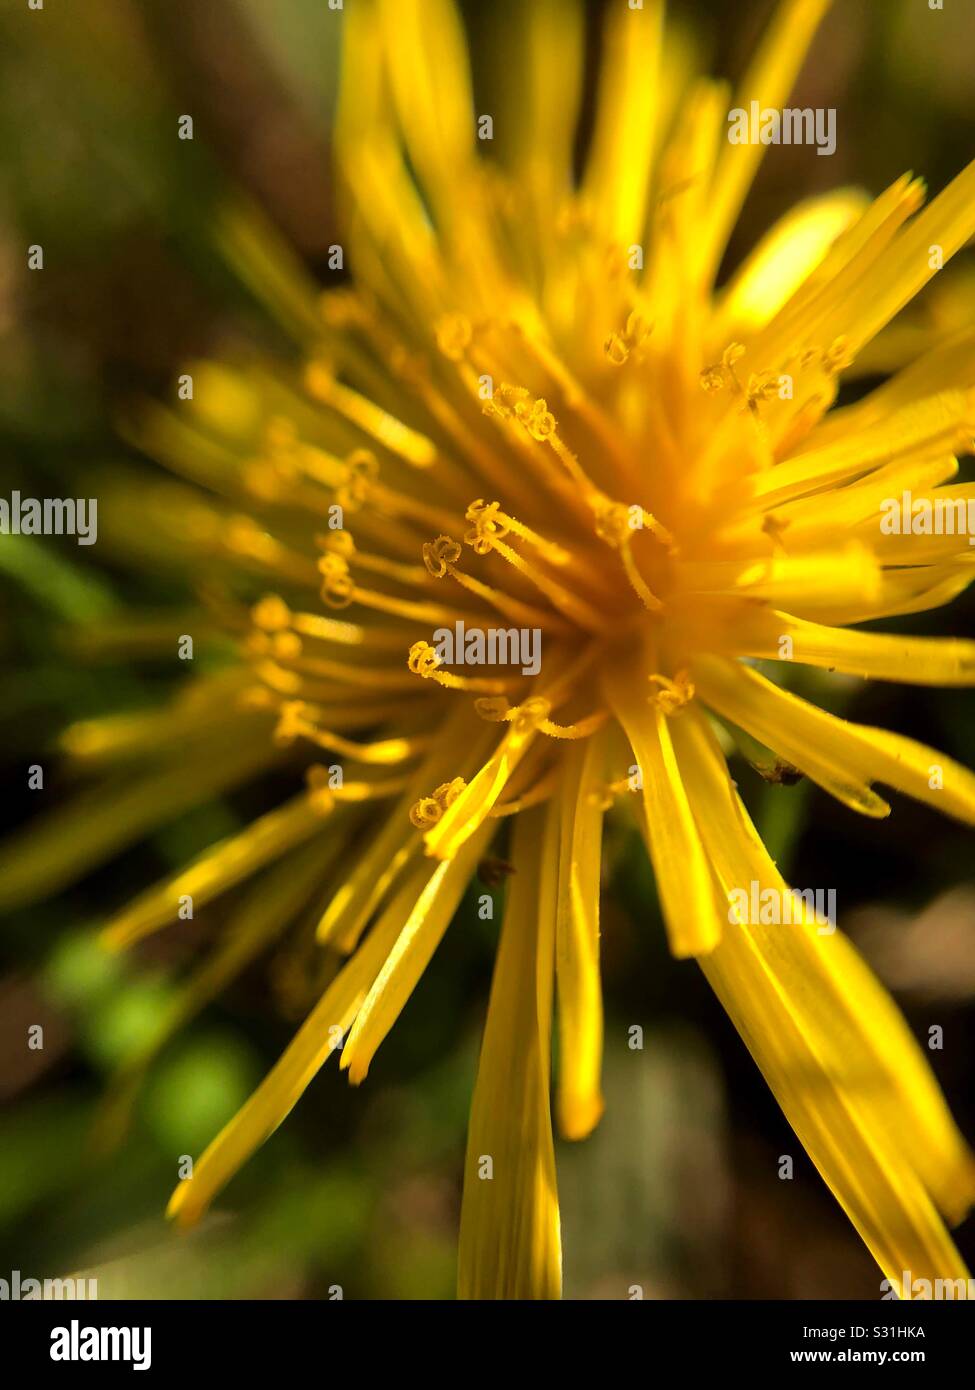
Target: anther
x: 762, y: 386
x: 540, y: 422
x: 487, y: 526
x: 719, y: 374
x: 524, y: 717
x: 617, y: 349
x: 637, y: 329
x: 440, y: 554
x: 516, y: 401
x: 338, y: 586
x: 362, y: 469
x: 712, y: 378
x: 423, y: 660
x: 429, y: 809
x: 612, y: 523
x: 838, y: 356
x: 529, y: 714
x: 493, y: 708
x: 673, y: 695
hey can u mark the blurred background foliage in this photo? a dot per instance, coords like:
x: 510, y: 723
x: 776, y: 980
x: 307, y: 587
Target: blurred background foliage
x: 678, y: 1191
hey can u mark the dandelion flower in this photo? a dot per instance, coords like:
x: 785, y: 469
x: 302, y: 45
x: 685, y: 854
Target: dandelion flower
x: 532, y: 409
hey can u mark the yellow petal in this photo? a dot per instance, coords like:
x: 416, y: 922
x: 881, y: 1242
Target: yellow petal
x: 679, y: 863
x: 618, y: 169
x: 784, y: 258
x: 422, y: 931
x: 395, y: 840
x: 803, y: 320
x: 768, y: 81
x: 394, y: 242
x: 812, y: 520
x: 579, y: 1100
x: 826, y: 578
x: 928, y: 427
x: 426, y: 55
x: 907, y: 264
x: 750, y: 630
x: 851, y: 1079
x: 463, y: 817
x: 510, y: 1238
x: 543, y: 79
x: 948, y: 365
x: 843, y: 758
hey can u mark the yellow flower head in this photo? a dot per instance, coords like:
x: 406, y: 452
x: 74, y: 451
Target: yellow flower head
x: 532, y: 426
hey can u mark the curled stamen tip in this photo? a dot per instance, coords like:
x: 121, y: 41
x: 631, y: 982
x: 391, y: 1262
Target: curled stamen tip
x: 638, y: 328
x: 361, y: 471
x: 479, y: 541
x: 440, y: 554
x: 487, y: 527
x: 512, y: 396
x: 616, y: 349
x: 493, y: 708
x: 636, y: 331
x: 839, y: 355
x: 523, y: 717
x: 613, y: 523
x: 712, y: 378
x: 338, y: 586
x: 337, y: 595
x: 673, y: 695
x: 425, y: 812
x: 448, y: 792
x: 532, y: 711
x: 762, y: 386
x: 423, y: 659
x: 271, y: 614
x: 488, y: 510
x: 540, y: 422
x: 535, y: 415
x: 429, y: 809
